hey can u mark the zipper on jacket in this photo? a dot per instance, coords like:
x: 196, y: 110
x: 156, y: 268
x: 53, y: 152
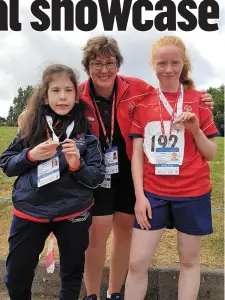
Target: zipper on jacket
x: 123, y: 95
x: 88, y: 105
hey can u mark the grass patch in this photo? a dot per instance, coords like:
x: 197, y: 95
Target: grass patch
x: 6, y: 136
x: 212, y: 246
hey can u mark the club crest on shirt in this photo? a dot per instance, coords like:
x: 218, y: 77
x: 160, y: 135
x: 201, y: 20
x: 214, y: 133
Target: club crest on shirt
x: 188, y: 108
x: 90, y: 119
x: 79, y: 139
x: 131, y: 109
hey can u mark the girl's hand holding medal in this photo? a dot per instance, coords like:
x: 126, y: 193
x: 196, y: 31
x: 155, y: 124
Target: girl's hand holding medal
x: 189, y: 121
x: 72, y: 153
x: 44, y: 150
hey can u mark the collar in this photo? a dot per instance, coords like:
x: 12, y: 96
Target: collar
x: 98, y: 98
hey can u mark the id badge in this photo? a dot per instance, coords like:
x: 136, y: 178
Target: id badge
x: 111, y: 160
x: 107, y: 182
x: 48, y: 171
x: 167, y: 161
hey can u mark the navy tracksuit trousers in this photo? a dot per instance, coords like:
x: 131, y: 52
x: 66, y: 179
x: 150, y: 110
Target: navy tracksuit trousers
x: 26, y: 242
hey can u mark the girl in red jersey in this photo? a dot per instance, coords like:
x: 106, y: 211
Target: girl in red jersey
x: 173, y: 140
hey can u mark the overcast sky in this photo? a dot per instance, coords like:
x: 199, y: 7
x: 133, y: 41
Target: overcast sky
x: 23, y: 55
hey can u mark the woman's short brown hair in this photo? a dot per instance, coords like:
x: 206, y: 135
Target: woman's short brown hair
x: 101, y: 46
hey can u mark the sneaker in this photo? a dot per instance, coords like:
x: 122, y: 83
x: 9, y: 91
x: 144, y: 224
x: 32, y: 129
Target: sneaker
x: 116, y: 296
x: 90, y: 297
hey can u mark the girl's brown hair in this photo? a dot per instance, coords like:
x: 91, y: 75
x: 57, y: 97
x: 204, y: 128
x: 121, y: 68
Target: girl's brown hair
x: 34, y: 124
x: 174, y: 40
x: 102, y: 46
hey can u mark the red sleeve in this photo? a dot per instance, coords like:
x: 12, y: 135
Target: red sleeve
x: 76, y: 167
x: 207, y: 124
x: 30, y: 158
x: 136, y: 129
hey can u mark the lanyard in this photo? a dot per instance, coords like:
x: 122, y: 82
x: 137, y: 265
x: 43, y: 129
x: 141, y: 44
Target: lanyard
x: 54, y: 136
x: 108, y: 141
x: 178, y: 107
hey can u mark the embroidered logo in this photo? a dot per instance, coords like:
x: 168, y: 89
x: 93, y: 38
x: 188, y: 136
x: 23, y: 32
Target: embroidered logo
x: 79, y: 139
x: 188, y: 108
x: 90, y: 119
x: 81, y: 218
x: 131, y: 109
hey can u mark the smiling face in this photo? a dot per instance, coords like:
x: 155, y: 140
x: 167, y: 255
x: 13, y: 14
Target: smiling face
x: 168, y: 64
x: 61, y: 95
x: 103, y: 76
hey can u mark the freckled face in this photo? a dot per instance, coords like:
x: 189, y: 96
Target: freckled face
x: 168, y: 64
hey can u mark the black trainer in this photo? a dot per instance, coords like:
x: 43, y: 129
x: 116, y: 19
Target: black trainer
x: 90, y: 297
x: 116, y: 296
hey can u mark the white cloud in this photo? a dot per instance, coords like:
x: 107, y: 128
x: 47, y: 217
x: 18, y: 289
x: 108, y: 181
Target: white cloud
x: 23, y: 55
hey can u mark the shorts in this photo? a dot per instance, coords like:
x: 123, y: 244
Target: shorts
x: 119, y: 198
x: 192, y: 217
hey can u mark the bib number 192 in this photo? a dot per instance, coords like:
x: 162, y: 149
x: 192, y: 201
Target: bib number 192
x: 163, y: 142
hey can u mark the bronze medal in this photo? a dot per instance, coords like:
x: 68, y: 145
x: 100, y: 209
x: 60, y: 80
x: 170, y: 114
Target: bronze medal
x: 178, y: 126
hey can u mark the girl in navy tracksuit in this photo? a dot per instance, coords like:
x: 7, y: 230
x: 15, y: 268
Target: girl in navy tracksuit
x: 58, y: 162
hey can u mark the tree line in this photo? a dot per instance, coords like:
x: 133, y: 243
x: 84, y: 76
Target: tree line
x: 20, y: 101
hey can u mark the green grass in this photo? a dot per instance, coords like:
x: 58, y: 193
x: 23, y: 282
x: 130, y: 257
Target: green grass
x: 6, y: 136
x: 215, y: 242
x: 212, y: 246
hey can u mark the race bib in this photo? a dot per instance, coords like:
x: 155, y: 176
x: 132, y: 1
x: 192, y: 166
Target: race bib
x: 48, y: 171
x: 153, y: 139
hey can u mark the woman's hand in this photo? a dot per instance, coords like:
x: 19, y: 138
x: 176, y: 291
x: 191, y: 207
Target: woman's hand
x: 190, y: 121
x: 142, y: 211
x: 43, y: 151
x: 207, y: 98
x: 71, y: 152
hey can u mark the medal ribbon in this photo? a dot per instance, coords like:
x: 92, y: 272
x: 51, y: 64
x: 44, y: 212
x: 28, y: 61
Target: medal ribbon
x: 178, y: 107
x: 54, y: 136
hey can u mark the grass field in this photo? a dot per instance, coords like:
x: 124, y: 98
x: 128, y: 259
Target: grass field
x: 212, y: 253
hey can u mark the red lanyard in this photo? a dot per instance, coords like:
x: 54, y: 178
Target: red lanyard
x: 172, y: 116
x: 108, y: 141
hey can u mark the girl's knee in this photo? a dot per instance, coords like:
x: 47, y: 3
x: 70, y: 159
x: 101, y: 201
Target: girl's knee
x: 123, y: 223
x: 138, y: 265
x: 99, y: 234
x: 189, y: 260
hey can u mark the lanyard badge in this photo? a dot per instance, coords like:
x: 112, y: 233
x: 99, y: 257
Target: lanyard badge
x: 48, y: 171
x: 111, y: 154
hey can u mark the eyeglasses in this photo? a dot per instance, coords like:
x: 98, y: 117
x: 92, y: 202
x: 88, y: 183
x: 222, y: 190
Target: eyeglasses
x: 109, y: 65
